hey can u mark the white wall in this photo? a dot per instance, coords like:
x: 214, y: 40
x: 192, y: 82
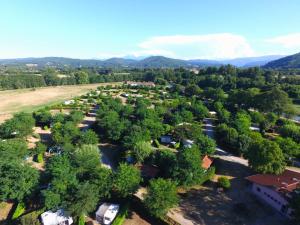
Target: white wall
x: 270, y: 196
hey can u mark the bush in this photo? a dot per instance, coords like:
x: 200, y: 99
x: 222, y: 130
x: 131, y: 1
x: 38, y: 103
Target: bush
x: 224, y: 182
x: 120, y: 218
x: 81, y: 220
x: 40, y: 158
x: 31, y: 218
x: 19, y: 210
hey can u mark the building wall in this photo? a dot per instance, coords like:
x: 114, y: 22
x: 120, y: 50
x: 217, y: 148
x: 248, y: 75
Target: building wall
x: 271, y: 197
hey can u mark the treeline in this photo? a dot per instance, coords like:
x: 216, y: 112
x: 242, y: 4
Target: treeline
x: 52, y: 77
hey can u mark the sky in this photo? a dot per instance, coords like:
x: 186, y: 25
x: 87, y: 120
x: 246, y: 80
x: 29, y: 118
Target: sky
x: 186, y: 29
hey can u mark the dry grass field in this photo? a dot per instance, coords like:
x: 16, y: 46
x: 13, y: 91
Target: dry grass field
x: 13, y: 101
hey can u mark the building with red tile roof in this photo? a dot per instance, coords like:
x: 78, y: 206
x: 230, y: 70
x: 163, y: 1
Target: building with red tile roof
x: 276, y: 190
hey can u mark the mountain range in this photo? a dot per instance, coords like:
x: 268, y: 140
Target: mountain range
x: 154, y: 62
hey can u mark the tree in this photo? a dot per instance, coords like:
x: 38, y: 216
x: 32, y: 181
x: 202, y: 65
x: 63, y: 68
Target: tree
x: 87, y: 158
x: 76, y: 116
x: 187, y: 170
x: 43, y: 117
x: 266, y: 157
x: 274, y: 100
x: 192, y: 90
x: 289, y: 147
x: 83, y: 199
x: 19, y: 126
x: 242, y: 123
x: 126, y: 180
x: 161, y: 196
x: 13, y: 149
x: 199, y: 110
x: 88, y: 137
x: 81, y: 77
x: 290, y: 130
x: 206, y: 145
x: 62, y: 177
x: 64, y: 133
x: 142, y: 150
x: 226, y: 135
x: 16, y: 180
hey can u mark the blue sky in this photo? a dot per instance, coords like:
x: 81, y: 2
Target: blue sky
x: 213, y: 29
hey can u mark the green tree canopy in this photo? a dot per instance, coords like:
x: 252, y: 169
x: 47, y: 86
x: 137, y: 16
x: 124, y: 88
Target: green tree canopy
x: 142, y: 150
x: 17, y: 180
x: 266, y: 157
x: 161, y: 196
x: 126, y: 180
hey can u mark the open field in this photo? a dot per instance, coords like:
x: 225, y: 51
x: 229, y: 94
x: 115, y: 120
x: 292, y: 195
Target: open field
x: 32, y: 99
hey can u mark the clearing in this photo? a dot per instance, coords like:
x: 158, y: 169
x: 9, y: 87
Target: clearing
x: 28, y: 100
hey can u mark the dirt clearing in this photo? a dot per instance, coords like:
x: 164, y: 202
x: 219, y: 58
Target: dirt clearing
x: 13, y: 101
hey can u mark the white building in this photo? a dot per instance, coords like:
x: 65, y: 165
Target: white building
x: 276, y: 190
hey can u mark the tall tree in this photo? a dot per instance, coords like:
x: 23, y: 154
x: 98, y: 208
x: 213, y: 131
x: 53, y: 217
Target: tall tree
x: 266, y: 157
x: 161, y: 196
x: 16, y: 180
x: 126, y: 180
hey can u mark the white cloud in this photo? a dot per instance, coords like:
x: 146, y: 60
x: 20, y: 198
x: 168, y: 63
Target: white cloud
x: 209, y: 46
x: 289, y: 41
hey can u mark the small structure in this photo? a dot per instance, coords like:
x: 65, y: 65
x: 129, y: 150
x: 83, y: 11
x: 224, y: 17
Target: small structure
x: 166, y: 139
x: 69, y: 102
x: 56, y: 218
x: 148, y: 171
x: 187, y: 143
x: 206, y: 162
x: 276, y: 190
x: 139, y: 84
x: 212, y: 113
x: 106, y: 213
x: 254, y: 128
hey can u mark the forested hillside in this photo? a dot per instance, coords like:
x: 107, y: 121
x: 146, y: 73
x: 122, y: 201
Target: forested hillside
x: 289, y: 62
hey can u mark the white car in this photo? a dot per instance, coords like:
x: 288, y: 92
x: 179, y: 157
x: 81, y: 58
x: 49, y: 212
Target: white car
x: 110, y: 214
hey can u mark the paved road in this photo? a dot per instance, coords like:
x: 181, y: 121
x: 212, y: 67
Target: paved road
x: 220, y: 153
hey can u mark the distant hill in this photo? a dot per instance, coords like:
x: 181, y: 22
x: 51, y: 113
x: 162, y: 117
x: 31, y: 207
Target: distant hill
x: 160, y: 62
x: 204, y: 62
x: 289, y: 62
x: 149, y: 62
x: 251, y: 61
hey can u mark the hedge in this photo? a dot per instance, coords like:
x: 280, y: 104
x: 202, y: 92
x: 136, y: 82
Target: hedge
x: 19, y: 210
x: 119, y: 220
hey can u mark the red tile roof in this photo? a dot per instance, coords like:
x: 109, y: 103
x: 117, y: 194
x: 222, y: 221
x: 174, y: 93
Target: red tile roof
x: 287, y: 181
x: 206, y: 162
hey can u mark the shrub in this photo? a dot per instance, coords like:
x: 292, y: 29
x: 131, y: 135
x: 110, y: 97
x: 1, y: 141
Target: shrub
x: 81, y: 220
x: 19, y: 210
x: 40, y: 158
x: 224, y: 182
x: 31, y: 218
x: 120, y: 218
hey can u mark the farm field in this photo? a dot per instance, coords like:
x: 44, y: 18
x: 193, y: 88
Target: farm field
x: 13, y: 101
